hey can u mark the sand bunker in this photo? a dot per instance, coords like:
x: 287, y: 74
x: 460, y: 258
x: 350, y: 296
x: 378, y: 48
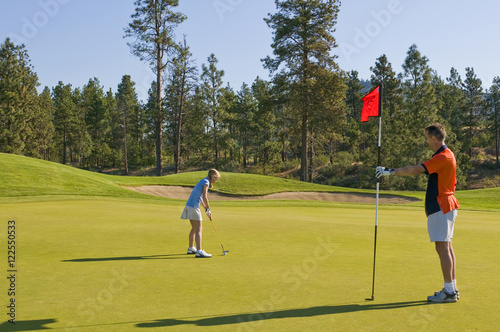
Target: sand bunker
x: 184, y: 192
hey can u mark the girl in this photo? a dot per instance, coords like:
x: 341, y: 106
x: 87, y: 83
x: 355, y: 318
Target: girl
x: 193, y: 213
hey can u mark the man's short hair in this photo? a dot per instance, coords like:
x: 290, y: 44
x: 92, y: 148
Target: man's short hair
x: 437, y: 130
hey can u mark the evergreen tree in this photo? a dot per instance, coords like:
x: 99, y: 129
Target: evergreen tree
x: 150, y: 111
x: 354, y: 104
x: 211, y: 88
x: 128, y: 109
x: 81, y: 147
x: 420, y: 111
x: 265, y: 121
x: 44, y: 128
x: 453, y: 103
x: 302, y: 42
x: 65, y: 121
x: 447, y: 105
x: 153, y: 27
x: 472, y: 121
x: 18, y: 101
x: 182, y: 82
x: 328, y: 119
x: 453, y: 110
x: 246, y: 107
x: 113, y: 138
x: 286, y: 127
x: 97, y: 121
x: 197, y: 135
x: 393, y: 117
x: 230, y: 141
x: 493, y: 114
x: 354, y: 94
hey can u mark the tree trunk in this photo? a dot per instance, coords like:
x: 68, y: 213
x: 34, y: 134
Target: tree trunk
x: 64, y: 146
x: 311, y: 164
x: 303, y: 157
x: 158, y: 120
x: 177, y: 156
x: 283, y: 150
x: 496, y: 131
x: 125, y: 151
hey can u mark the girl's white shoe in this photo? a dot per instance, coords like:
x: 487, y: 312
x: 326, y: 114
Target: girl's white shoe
x: 202, y: 254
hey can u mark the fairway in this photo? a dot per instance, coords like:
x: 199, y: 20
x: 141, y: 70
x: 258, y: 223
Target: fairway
x: 116, y: 265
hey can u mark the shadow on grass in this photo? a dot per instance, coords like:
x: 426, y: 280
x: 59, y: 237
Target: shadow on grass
x: 129, y: 258
x: 35, y: 325
x: 27, y: 325
x: 291, y: 313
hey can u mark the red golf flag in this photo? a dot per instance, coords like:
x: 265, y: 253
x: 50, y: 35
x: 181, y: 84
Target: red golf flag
x: 371, y: 106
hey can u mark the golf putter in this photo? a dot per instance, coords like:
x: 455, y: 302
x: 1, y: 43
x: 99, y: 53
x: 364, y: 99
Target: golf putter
x: 223, y: 251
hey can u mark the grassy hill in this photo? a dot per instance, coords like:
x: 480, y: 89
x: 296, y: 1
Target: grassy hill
x: 23, y: 177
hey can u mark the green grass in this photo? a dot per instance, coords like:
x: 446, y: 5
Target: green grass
x: 93, y: 256
x: 232, y: 183
x: 107, y: 265
x: 27, y: 179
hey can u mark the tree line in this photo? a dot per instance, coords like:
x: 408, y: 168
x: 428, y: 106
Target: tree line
x: 307, y: 116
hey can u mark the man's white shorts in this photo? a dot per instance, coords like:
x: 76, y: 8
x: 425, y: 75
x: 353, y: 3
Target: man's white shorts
x: 191, y: 213
x: 440, y: 226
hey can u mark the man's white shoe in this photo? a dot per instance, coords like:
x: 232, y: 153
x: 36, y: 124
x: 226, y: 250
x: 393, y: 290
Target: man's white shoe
x: 191, y: 250
x: 456, y: 292
x: 442, y: 297
x: 202, y: 254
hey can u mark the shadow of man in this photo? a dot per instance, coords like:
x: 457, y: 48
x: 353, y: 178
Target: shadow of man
x: 290, y: 313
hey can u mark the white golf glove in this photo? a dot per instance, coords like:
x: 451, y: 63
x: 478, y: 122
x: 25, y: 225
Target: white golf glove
x: 381, y: 170
x: 209, y: 213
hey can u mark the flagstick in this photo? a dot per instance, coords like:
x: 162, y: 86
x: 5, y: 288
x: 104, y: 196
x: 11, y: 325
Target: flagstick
x: 377, y: 194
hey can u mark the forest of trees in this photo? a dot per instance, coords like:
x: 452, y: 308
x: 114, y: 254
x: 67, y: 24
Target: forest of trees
x: 305, y: 118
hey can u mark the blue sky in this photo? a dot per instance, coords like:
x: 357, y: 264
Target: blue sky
x: 74, y: 40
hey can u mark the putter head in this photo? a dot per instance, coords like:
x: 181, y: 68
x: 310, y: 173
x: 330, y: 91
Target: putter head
x: 370, y: 298
x: 224, y: 252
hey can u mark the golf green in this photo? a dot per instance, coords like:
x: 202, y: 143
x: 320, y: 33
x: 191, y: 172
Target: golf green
x: 103, y: 264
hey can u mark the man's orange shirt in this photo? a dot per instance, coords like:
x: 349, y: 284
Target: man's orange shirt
x: 442, y: 171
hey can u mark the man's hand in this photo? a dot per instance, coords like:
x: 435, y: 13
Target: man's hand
x: 381, y: 170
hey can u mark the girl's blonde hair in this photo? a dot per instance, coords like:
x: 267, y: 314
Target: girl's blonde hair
x: 211, y: 173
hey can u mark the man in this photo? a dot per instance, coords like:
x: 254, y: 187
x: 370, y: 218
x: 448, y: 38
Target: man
x: 440, y: 205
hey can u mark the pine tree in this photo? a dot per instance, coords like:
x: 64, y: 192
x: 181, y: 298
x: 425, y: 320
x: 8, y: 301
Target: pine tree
x: 181, y: 83
x: 393, y: 117
x: 196, y: 132
x: 112, y: 138
x: 81, y: 147
x: 265, y: 121
x: 229, y: 107
x: 211, y: 88
x: 127, y: 107
x: 44, y: 128
x: 493, y: 114
x: 97, y: 121
x: 150, y: 109
x: 354, y: 104
x: 246, y: 107
x: 472, y: 87
x: 64, y: 119
x: 328, y: 120
x: 453, y: 107
x: 302, y: 42
x: 18, y: 101
x: 420, y: 111
x: 153, y: 27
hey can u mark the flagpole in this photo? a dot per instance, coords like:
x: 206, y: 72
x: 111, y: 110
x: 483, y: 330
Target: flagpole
x: 377, y: 192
